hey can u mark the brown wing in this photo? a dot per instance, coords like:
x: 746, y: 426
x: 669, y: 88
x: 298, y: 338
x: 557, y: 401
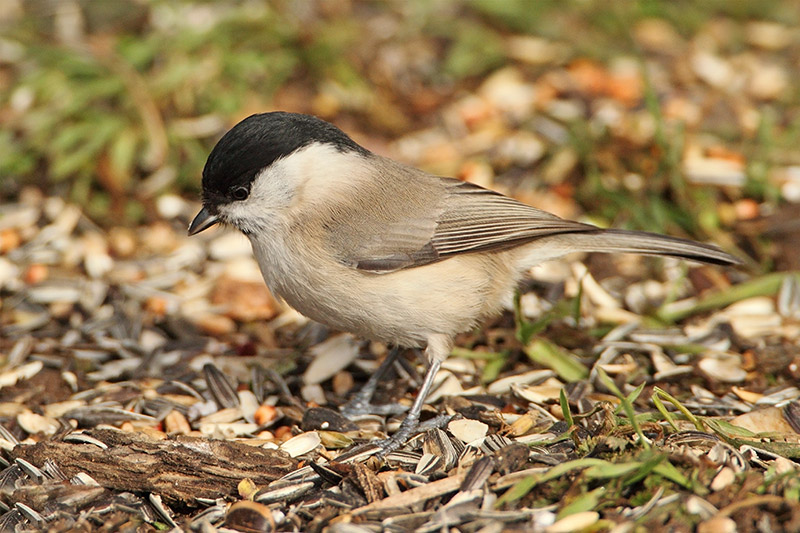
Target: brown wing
x: 424, y: 219
x: 432, y: 219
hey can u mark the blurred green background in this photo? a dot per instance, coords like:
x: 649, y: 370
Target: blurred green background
x: 113, y: 102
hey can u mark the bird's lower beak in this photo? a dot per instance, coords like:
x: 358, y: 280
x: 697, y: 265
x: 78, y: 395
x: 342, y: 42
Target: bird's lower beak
x: 203, y: 220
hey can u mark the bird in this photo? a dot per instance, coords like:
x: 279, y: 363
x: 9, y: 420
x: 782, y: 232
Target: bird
x: 368, y: 245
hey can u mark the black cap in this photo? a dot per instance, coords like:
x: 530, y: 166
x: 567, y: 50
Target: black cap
x: 258, y: 141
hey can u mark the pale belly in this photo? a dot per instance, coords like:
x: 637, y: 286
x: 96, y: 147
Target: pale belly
x: 405, y: 307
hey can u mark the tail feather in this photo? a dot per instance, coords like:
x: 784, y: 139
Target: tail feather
x: 640, y: 242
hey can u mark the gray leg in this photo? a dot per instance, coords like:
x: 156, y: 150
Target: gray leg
x: 411, y: 423
x: 360, y: 403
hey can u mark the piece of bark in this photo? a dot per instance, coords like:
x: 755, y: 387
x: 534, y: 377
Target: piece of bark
x: 416, y: 496
x: 179, y: 469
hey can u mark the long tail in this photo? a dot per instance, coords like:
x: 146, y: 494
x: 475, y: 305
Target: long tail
x: 622, y: 241
x: 641, y: 242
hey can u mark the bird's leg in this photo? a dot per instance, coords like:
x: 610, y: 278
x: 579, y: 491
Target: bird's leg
x: 438, y: 349
x: 411, y: 422
x: 360, y: 403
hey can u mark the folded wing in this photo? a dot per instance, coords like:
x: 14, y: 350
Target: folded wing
x: 460, y: 217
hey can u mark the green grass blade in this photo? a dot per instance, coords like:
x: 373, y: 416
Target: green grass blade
x: 658, y: 391
x: 562, y: 362
x: 627, y: 406
x: 562, y: 399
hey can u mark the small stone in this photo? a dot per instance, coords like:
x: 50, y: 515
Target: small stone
x: 574, y: 522
x: 717, y: 524
x: 767, y: 420
x: 342, y: 383
x: 726, y: 368
x: 265, y: 414
x: 723, y: 479
x: 122, y: 241
x: 215, y: 324
x: 175, y: 422
x: 326, y: 419
x: 467, y: 430
x: 301, y: 444
x: 244, y: 300
x: 9, y: 240
x: 36, y: 273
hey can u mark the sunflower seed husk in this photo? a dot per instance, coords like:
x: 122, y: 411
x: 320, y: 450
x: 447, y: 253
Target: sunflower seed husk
x: 301, y: 444
x: 333, y: 440
x: 91, y: 416
x: 403, y: 459
x: 223, y: 392
x: 327, y: 474
x: 250, y: 517
x: 468, y: 431
x: 428, y: 464
x: 438, y: 444
x: 82, y: 438
x: 330, y: 357
x: 161, y: 509
x: 287, y: 493
x: 30, y: 514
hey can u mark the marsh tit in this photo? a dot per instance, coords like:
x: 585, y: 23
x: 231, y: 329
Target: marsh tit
x: 365, y: 244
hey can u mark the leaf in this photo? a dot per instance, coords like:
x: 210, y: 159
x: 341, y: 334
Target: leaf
x: 632, y: 396
x: 524, y: 486
x: 584, y: 502
x: 519, y: 490
x: 495, y: 361
x: 525, y: 329
x: 657, y: 391
x: 626, y: 404
x: 492, y: 369
x: 666, y: 414
x: 645, y: 468
x: 562, y: 362
x: 723, y: 427
x: 562, y: 398
x: 612, y: 470
x: 667, y: 470
x: 766, y: 285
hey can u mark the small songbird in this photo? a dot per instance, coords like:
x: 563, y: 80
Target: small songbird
x: 365, y: 244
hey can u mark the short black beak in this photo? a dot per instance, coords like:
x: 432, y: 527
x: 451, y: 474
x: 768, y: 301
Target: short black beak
x: 203, y: 220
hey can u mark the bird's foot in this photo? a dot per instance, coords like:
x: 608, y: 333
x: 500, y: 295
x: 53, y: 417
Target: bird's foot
x: 407, y: 430
x: 360, y: 405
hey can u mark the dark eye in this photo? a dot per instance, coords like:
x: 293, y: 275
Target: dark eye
x: 240, y: 193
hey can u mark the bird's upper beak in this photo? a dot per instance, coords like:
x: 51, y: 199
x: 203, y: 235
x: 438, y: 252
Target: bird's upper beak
x: 203, y: 220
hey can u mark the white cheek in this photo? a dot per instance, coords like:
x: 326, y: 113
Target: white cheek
x: 270, y: 196
x: 310, y: 179
x: 321, y: 175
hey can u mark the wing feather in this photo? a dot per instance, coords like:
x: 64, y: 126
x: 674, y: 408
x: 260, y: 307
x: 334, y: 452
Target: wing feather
x: 429, y: 219
x: 477, y: 219
x: 436, y: 218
